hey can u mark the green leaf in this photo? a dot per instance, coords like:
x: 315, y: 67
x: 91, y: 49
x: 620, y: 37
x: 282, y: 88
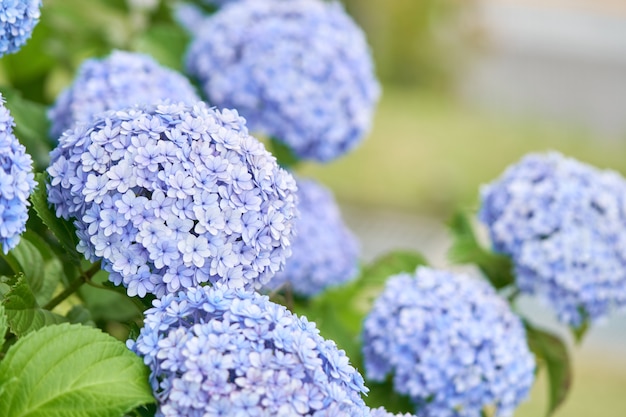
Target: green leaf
x: 23, y: 313
x: 283, y: 153
x: 80, y: 315
x: 392, y: 263
x: 167, y: 43
x: 62, y: 229
x: 382, y: 394
x: 31, y: 126
x: 148, y: 410
x: 34, y: 258
x: 74, y: 370
x: 53, y: 274
x: 580, y: 331
x: 53, y: 269
x: 551, y: 352
x: 4, y: 326
x: 109, y: 305
x: 29, y: 64
x: 339, y: 311
x: 465, y: 248
x: 30, y: 262
x: 5, y: 286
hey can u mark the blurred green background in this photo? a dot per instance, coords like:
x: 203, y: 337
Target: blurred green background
x: 430, y: 147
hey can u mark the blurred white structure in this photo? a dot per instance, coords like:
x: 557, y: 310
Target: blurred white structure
x: 558, y: 59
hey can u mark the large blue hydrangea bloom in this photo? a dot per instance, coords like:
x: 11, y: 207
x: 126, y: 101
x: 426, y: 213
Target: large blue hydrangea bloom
x: 120, y: 80
x: 299, y: 71
x: 171, y: 196
x: 451, y: 343
x: 564, y: 225
x: 325, y: 252
x: 215, y: 352
x: 18, y: 18
x: 16, y: 182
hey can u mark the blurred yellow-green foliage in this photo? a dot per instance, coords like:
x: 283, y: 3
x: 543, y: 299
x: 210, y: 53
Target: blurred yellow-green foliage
x: 414, y: 42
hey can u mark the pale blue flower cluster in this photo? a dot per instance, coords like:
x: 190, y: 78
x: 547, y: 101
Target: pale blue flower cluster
x: 171, y: 196
x: 18, y: 18
x: 381, y: 412
x: 299, y: 71
x: 214, y: 351
x: 325, y: 252
x: 16, y: 182
x: 451, y: 343
x: 120, y: 80
x: 564, y: 225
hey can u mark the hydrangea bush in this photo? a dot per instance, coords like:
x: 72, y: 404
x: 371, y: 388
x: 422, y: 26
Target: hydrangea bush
x: 450, y: 342
x: 314, y: 93
x: 16, y: 182
x: 173, y: 196
x: 325, y: 252
x: 150, y: 188
x: 564, y: 225
x: 18, y: 18
x: 214, y: 352
x: 120, y: 80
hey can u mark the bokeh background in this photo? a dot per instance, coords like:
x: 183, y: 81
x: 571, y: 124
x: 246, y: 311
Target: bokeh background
x: 469, y: 86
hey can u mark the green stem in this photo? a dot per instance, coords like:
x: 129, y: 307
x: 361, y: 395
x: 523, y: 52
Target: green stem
x: 74, y: 285
x: 289, y: 301
x: 513, y: 295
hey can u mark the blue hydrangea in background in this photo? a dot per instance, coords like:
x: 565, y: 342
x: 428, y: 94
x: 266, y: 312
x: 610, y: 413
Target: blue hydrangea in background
x: 299, y: 71
x: 214, y: 352
x: 120, y: 80
x: 18, y: 18
x: 171, y: 196
x: 325, y: 252
x: 564, y: 225
x: 16, y: 182
x: 451, y: 343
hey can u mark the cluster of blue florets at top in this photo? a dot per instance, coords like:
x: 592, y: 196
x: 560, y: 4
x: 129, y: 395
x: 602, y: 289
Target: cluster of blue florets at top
x: 299, y: 71
x: 324, y: 251
x: 120, y: 80
x: 451, y: 343
x: 214, y: 351
x: 564, y: 225
x: 16, y: 182
x: 171, y: 196
x: 18, y: 18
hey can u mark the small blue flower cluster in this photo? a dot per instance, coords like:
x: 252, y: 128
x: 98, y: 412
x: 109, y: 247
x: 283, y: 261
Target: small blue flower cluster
x: 299, y: 71
x: 381, y: 412
x: 564, y: 225
x: 121, y: 80
x: 171, y: 196
x: 16, y: 182
x: 18, y: 18
x: 325, y: 252
x: 214, y: 351
x: 451, y: 342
